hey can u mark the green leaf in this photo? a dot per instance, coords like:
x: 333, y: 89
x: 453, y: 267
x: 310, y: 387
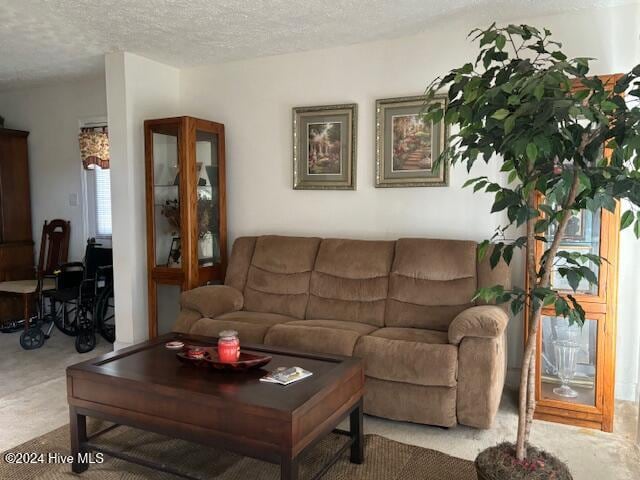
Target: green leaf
x: 516, y: 307
x: 608, y: 106
x: 472, y: 180
x: 451, y: 116
x: 591, y: 277
x: 466, y: 68
x: 501, y: 40
x: 496, y: 254
x: 636, y: 227
x: 509, y: 124
x: 549, y: 299
x: 436, y: 115
x: 482, y: 249
x: 479, y: 185
x: 573, y: 278
x: 538, y: 92
x: 532, y: 151
x: 507, y: 254
x: 559, y: 56
x: 513, y: 100
x: 501, y: 114
x: 626, y: 220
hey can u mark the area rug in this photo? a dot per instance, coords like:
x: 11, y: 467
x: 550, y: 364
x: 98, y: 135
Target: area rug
x: 384, y: 460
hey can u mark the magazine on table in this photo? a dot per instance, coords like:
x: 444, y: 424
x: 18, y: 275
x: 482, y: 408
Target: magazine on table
x: 286, y: 376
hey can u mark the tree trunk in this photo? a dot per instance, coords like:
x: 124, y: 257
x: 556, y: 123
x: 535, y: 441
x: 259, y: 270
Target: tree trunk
x: 541, y: 279
x: 526, y: 407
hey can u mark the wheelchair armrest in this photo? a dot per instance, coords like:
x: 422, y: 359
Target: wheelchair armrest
x: 65, y: 266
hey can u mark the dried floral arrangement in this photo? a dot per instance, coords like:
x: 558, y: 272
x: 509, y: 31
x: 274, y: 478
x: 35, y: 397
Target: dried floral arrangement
x: 206, y: 215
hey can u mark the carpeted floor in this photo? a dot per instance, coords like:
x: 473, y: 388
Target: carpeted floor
x: 384, y: 460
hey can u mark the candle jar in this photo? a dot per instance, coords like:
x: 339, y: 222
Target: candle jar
x: 228, y: 346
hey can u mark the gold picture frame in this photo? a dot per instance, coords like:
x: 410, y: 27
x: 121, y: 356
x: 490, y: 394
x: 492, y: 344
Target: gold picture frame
x: 406, y: 147
x: 324, y: 147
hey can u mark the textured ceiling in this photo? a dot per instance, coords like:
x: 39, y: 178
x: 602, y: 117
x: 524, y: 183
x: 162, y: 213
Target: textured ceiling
x: 41, y: 40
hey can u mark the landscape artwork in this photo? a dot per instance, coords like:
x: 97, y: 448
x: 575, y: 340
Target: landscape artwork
x: 406, y: 146
x: 324, y: 148
x: 411, y: 143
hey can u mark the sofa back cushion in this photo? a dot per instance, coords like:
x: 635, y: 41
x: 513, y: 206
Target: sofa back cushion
x: 431, y: 281
x: 350, y: 281
x: 278, y: 275
x: 239, y: 262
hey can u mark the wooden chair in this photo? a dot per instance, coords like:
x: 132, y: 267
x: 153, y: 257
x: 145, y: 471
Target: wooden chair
x: 54, y: 249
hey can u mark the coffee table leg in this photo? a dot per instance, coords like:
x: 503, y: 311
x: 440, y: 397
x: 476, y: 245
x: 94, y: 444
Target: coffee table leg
x: 78, y: 428
x: 357, y: 434
x: 289, y: 469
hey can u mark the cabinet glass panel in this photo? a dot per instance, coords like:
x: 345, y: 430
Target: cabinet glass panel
x: 582, y: 237
x: 568, y: 360
x: 207, y: 188
x: 167, y: 307
x: 166, y: 195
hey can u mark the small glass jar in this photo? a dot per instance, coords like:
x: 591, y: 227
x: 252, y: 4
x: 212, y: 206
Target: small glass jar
x: 228, y: 346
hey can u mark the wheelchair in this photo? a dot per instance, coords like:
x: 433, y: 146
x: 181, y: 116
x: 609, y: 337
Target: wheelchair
x: 81, y: 304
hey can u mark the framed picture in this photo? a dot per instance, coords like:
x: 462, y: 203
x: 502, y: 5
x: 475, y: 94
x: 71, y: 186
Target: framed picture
x: 324, y: 147
x: 406, y: 145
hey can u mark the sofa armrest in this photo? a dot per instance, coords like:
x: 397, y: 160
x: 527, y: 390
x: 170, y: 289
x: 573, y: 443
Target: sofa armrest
x: 485, y: 321
x: 212, y: 301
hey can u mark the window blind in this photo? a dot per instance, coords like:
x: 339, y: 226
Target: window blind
x: 103, y: 202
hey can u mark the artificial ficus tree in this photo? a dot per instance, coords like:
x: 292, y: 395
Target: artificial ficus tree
x: 525, y: 104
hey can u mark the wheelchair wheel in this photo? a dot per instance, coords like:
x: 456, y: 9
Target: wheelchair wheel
x: 85, y: 341
x: 105, y: 317
x: 32, y: 338
x: 66, y: 319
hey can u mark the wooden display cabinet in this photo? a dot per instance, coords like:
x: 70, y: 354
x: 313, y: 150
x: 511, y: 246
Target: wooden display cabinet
x: 592, y: 385
x: 186, y: 211
x: 593, y: 382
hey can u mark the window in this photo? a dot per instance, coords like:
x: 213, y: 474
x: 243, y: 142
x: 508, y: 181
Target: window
x: 96, y: 178
x: 98, y: 195
x: 103, y: 202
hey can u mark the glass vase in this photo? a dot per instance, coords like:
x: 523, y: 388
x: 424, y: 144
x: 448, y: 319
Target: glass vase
x: 566, y: 353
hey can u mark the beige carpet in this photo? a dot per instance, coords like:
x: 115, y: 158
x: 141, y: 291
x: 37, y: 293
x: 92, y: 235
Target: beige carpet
x: 384, y: 460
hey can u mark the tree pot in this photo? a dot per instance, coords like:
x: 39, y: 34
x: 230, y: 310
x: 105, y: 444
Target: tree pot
x: 499, y: 463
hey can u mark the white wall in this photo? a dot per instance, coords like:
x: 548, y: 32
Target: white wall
x: 254, y: 99
x: 51, y: 114
x: 137, y: 89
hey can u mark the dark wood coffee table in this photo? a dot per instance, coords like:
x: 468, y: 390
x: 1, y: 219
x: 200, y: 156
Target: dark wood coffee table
x: 145, y: 386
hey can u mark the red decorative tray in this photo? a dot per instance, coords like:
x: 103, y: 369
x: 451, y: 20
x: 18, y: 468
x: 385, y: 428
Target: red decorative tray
x: 245, y: 362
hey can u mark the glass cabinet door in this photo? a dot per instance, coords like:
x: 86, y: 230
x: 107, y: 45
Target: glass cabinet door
x: 582, y: 236
x: 568, y: 361
x: 208, y: 228
x: 166, y: 196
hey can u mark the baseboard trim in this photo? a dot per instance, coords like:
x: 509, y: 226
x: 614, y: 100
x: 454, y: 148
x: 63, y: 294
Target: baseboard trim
x: 120, y: 345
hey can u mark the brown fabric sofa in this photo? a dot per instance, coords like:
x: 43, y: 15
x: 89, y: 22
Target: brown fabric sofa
x: 432, y: 356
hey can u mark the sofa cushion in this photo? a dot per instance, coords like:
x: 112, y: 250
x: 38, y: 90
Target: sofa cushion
x: 239, y: 262
x: 322, y: 336
x: 278, y: 277
x: 431, y: 281
x: 411, y: 403
x: 251, y: 326
x: 409, y: 355
x: 350, y: 281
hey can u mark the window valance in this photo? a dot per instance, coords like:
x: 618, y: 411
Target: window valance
x: 94, y: 147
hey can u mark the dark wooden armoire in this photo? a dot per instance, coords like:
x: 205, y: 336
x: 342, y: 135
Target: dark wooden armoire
x: 16, y: 239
